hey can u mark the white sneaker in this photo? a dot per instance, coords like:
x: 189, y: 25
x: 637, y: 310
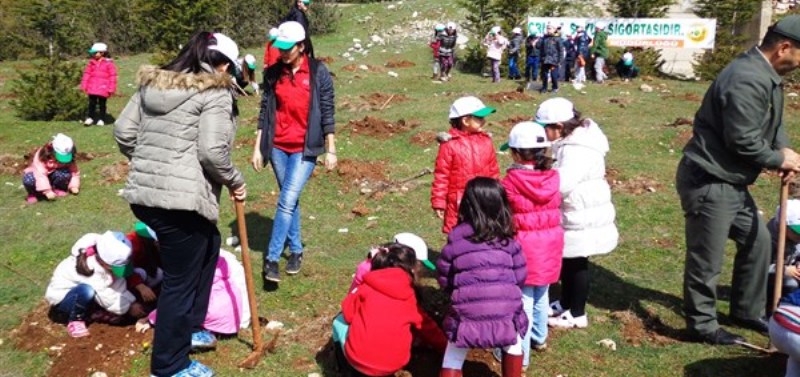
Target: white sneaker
x: 101, y: 123
x: 88, y: 121
x: 567, y: 321
x: 555, y: 309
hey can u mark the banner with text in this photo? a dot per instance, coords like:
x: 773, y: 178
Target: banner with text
x: 638, y: 32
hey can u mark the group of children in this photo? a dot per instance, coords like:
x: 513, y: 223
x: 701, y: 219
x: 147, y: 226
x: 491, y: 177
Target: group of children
x: 508, y: 241
x: 115, y: 278
x: 443, y: 44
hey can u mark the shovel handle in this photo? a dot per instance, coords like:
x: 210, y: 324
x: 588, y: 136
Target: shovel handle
x: 779, y: 262
x: 248, y: 273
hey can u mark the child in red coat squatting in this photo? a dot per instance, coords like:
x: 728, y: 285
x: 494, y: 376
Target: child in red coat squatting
x: 146, y: 263
x: 52, y: 171
x: 99, y: 82
x: 384, y: 317
x: 467, y: 153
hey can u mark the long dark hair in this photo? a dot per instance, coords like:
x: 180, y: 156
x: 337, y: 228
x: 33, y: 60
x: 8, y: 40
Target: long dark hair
x: 196, y: 52
x: 47, y: 153
x: 572, y: 124
x: 485, y: 207
x: 395, y: 255
x: 81, y: 263
x: 541, y: 157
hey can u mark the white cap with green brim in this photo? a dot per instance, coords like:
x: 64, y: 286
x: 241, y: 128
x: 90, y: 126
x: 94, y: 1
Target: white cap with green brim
x: 416, y: 243
x: 555, y: 110
x: 98, y: 47
x: 469, y: 106
x: 526, y: 135
x: 114, y: 249
x: 63, y: 148
x: 289, y: 33
x: 250, y: 60
x: 792, y: 214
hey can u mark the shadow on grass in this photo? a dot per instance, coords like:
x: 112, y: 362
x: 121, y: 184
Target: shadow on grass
x: 259, y: 230
x: 741, y: 366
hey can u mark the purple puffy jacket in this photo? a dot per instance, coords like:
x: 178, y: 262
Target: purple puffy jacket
x: 484, y: 281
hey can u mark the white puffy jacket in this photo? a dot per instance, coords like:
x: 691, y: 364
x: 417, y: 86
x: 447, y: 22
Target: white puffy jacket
x: 587, y: 210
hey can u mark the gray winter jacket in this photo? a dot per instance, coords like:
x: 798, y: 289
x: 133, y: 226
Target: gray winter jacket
x: 177, y: 131
x: 514, y: 44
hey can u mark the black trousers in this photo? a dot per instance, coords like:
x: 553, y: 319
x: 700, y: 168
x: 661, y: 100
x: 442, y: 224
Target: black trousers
x: 189, y: 247
x: 94, y: 103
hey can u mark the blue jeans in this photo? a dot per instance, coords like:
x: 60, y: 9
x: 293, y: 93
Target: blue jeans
x: 535, y: 301
x: 292, y: 171
x: 76, y: 303
x: 549, y: 71
x: 513, y: 69
x: 531, y: 68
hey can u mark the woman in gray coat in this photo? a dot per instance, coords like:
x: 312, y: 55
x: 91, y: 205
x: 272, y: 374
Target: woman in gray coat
x: 177, y: 132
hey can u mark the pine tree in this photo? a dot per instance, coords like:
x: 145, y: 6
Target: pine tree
x: 49, y: 91
x: 62, y: 25
x: 480, y: 16
x: 732, y: 18
x: 640, y: 8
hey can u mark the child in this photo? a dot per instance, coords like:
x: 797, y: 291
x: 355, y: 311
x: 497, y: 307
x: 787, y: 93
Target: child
x: 53, y: 171
x: 514, y: 47
x: 226, y: 312
x: 495, y: 44
x: 580, y: 69
x: 381, y: 313
x: 587, y: 211
x: 791, y: 272
x: 145, y: 262
x: 784, y: 331
x: 271, y: 54
x: 532, y: 57
x: 467, y: 154
x: 483, y: 269
x: 625, y: 68
x: 92, y: 273
x: 435, y: 43
x: 551, y: 52
x: 447, y: 52
x: 99, y: 82
x: 532, y: 188
x: 409, y: 239
x: 247, y: 75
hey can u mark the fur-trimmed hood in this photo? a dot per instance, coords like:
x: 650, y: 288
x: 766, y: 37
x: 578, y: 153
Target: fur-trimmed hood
x: 163, y: 90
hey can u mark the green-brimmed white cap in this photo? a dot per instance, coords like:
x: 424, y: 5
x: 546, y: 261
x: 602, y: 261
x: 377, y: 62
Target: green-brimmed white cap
x: 250, y: 60
x: 439, y: 27
x: 526, y: 135
x: 289, y: 33
x: 469, y: 106
x: 98, y: 47
x: 63, y: 148
x: 792, y: 214
x: 418, y: 245
x: 144, y: 231
x: 114, y: 249
x: 555, y: 110
x: 273, y: 33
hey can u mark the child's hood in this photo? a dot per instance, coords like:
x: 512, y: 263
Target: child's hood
x: 590, y: 136
x: 162, y: 90
x: 536, y: 185
x: 393, y: 282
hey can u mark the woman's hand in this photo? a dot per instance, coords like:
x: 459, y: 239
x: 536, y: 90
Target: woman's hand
x: 330, y: 161
x: 147, y: 294
x: 136, y: 310
x: 239, y: 193
x: 258, y: 160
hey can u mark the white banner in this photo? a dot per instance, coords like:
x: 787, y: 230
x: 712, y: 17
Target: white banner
x: 639, y: 32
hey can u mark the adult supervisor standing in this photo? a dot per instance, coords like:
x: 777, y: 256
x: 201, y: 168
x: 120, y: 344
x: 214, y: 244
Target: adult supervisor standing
x: 295, y: 126
x: 738, y: 131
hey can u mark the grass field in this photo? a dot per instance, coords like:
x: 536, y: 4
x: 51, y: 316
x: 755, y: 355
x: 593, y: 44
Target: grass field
x: 636, y: 290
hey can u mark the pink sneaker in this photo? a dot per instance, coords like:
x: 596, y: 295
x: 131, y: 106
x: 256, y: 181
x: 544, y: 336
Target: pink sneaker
x: 60, y: 193
x: 31, y: 199
x: 77, y: 329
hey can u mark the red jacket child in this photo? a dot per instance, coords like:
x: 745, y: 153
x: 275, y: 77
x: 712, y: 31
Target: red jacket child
x: 382, y: 312
x: 99, y: 78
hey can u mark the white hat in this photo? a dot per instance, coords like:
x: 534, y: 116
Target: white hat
x: 516, y: 30
x: 289, y: 33
x: 526, y: 135
x: 98, y: 47
x: 250, y: 60
x: 555, y: 110
x: 627, y: 57
x: 226, y: 46
x: 273, y: 33
x: 418, y: 244
x: 115, y: 250
x: 495, y: 29
x: 438, y: 27
x: 63, y: 148
x: 451, y: 25
x: 600, y: 25
x: 792, y: 214
x: 469, y: 106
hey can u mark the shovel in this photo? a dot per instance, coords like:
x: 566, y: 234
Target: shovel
x: 779, y: 262
x: 258, y: 345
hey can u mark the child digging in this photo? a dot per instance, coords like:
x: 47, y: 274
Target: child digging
x: 52, y: 171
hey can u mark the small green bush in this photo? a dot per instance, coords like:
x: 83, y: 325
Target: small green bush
x: 49, y: 91
x: 472, y: 59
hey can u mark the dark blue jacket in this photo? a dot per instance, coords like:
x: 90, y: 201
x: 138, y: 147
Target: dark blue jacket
x: 320, y: 113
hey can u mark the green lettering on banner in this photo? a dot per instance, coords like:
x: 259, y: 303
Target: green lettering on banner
x: 656, y: 29
x: 677, y: 29
x: 629, y: 29
x: 635, y: 29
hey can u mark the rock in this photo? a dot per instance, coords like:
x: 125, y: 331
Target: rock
x: 57, y: 347
x: 414, y: 15
x: 274, y: 325
x: 377, y: 39
x: 391, y: 7
x: 344, y: 230
x: 312, y: 218
x: 315, y: 374
x: 346, y: 55
x: 232, y: 241
x: 650, y: 188
x: 363, y: 67
x: 356, y: 40
x: 98, y: 347
x: 792, y: 94
x: 357, y: 46
x: 238, y: 249
x: 646, y: 88
x: 372, y: 218
x: 99, y: 374
x: 608, y: 343
x: 393, y: 74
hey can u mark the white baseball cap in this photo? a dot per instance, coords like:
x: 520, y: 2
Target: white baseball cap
x: 526, y: 135
x: 516, y: 30
x: 600, y: 25
x: 495, y: 29
x: 289, y: 33
x: 438, y: 27
x: 63, y: 146
x: 226, y: 46
x: 250, y: 60
x: 114, y: 249
x: 418, y: 244
x: 451, y: 25
x: 469, y: 106
x: 792, y: 214
x: 555, y: 110
x: 98, y: 47
x: 273, y: 33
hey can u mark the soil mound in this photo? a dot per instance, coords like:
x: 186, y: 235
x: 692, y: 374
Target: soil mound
x: 379, y: 128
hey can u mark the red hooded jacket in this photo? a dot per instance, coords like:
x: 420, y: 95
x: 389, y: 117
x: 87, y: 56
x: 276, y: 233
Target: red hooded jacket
x: 382, y: 312
x: 463, y: 157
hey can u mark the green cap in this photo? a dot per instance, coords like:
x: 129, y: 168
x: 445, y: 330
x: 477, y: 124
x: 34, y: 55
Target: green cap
x: 122, y: 271
x: 306, y: 2
x: 795, y: 228
x: 144, y: 231
x: 428, y: 264
x: 64, y: 158
x: 484, y: 112
x: 788, y: 27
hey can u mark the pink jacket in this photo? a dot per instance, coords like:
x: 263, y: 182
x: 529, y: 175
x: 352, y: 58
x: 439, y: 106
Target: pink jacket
x: 535, y: 200
x: 42, y: 169
x: 99, y: 78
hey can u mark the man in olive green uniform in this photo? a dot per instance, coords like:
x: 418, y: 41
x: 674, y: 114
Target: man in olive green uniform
x: 738, y: 131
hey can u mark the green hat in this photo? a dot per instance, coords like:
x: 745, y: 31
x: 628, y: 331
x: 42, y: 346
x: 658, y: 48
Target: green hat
x: 144, y: 231
x: 122, y: 271
x: 289, y: 33
x: 306, y: 2
x: 788, y: 27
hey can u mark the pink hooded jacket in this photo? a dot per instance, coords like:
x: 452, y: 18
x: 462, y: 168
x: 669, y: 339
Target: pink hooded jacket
x: 42, y: 169
x: 535, y: 202
x: 99, y: 78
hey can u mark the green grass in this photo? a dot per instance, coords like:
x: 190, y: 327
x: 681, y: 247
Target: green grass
x: 642, y: 275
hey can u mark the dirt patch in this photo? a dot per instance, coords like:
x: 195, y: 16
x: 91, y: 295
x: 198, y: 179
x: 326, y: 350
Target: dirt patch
x: 510, y: 122
x: 7, y: 96
x: 399, y: 64
x: 358, y: 171
x: 794, y: 105
x: 12, y: 165
x: 637, y: 331
x: 423, y: 139
x: 371, y: 102
x: 502, y: 97
x: 379, y: 128
x: 326, y: 59
x: 361, y: 68
x: 114, y: 173
x: 109, y: 349
x: 623, y: 102
x: 85, y: 157
x: 692, y: 97
x: 635, y: 186
x: 680, y: 122
x: 683, y: 137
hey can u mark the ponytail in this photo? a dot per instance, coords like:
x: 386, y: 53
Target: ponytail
x: 81, y: 263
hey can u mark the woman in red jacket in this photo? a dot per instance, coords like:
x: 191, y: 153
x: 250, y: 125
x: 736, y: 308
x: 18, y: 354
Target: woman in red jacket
x: 467, y: 153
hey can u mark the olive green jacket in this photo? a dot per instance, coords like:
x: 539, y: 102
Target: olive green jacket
x: 739, y: 130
